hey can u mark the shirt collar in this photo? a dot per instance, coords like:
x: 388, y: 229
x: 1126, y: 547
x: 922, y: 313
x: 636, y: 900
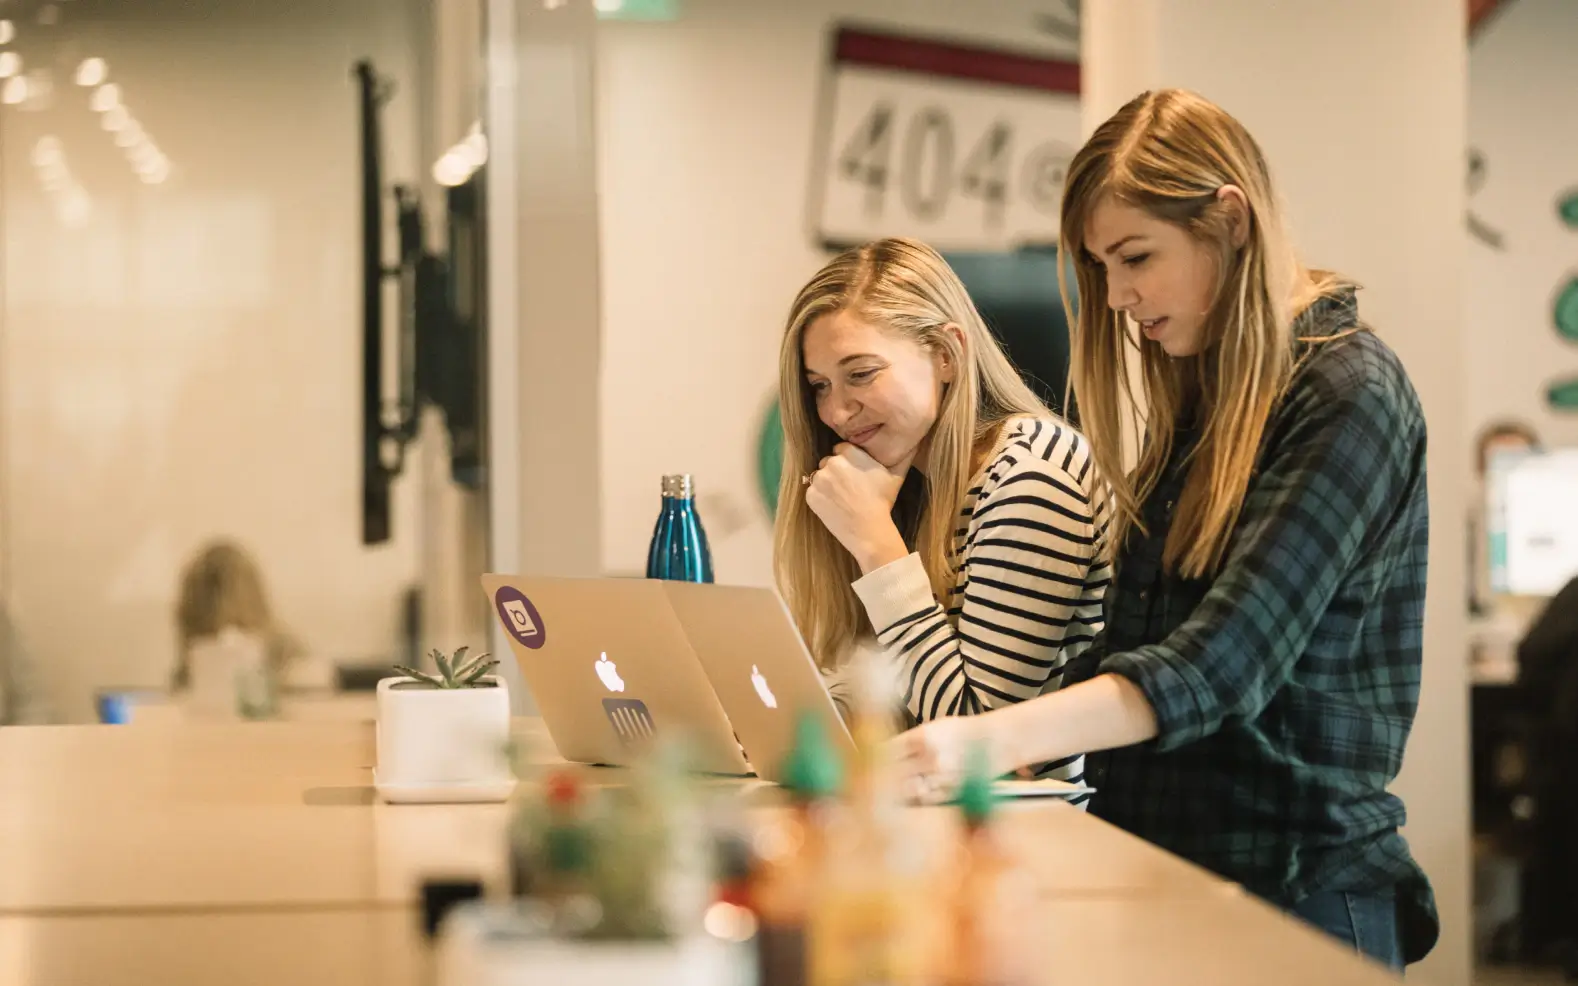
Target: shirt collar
x: 1328, y: 314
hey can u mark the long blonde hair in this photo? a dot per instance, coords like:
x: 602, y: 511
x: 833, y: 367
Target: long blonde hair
x: 221, y: 587
x: 904, y: 287
x: 1168, y: 153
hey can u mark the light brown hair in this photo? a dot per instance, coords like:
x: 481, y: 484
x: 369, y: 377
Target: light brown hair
x: 1169, y: 153
x: 905, y: 287
x: 223, y: 587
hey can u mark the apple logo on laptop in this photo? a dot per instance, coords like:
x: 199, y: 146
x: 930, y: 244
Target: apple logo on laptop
x: 762, y: 690
x: 609, y: 675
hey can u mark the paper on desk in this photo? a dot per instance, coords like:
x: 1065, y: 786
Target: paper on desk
x: 1046, y: 787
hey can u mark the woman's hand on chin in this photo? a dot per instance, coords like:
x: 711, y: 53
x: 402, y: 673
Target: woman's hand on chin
x: 853, y: 495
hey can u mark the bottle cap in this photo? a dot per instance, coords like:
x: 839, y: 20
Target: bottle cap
x: 812, y: 770
x: 678, y: 485
x: 975, y: 796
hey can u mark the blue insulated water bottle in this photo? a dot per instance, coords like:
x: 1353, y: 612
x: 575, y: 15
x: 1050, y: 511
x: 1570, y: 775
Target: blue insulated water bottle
x: 679, y: 549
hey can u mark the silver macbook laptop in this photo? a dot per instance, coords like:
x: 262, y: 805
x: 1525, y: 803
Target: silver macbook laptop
x: 610, y: 668
x: 765, y: 676
x: 759, y: 667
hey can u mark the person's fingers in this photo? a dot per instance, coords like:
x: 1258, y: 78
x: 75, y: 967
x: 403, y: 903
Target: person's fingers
x: 856, y: 456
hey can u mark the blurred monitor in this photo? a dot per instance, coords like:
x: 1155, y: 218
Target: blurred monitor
x: 1532, y: 521
x: 1017, y: 294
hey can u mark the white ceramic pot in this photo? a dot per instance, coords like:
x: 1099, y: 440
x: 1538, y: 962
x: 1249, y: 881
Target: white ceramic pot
x: 479, y: 945
x: 442, y: 744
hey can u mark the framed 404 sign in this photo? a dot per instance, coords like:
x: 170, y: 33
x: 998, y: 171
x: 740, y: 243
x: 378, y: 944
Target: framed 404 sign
x: 963, y: 147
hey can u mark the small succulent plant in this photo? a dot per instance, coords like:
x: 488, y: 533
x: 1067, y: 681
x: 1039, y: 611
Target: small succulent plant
x: 453, y: 672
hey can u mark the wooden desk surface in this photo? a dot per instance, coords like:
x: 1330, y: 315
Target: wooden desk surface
x: 1117, y: 941
x: 253, y: 853
x: 198, y: 815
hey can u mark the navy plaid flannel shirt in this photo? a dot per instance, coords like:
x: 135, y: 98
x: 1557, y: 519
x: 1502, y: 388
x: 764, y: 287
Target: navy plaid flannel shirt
x: 1285, y: 686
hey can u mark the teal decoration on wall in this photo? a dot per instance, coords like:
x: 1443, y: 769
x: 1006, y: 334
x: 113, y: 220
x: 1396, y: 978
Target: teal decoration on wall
x: 770, y: 458
x: 1567, y: 209
x: 1564, y: 395
x: 1567, y: 311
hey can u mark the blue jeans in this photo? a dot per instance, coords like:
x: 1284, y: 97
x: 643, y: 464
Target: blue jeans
x: 1365, y: 922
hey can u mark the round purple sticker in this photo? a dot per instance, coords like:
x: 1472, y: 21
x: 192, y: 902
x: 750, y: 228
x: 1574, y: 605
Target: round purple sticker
x: 520, y: 617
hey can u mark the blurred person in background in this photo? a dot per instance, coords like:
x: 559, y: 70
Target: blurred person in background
x: 230, y: 648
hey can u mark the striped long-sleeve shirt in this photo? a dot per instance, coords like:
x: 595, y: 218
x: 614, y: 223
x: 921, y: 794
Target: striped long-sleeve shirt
x: 1028, y: 597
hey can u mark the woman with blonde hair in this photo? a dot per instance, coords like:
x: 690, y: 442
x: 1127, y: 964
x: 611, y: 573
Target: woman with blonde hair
x: 1260, y: 665
x: 929, y: 499
x: 222, y: 597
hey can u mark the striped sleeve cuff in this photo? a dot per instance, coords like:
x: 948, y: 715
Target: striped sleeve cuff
x: 895, y: 592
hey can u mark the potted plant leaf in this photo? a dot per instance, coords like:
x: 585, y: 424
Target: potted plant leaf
x: 439, y: 735
x: 613, y: 885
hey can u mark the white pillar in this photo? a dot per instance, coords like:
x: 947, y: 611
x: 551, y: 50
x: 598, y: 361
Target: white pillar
x: 544, y: 331
x: 1360, y: 108
x: 454, y: 518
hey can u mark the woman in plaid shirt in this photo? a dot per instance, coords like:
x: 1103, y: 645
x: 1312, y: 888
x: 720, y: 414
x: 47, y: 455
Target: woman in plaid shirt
x: 1248, y: 702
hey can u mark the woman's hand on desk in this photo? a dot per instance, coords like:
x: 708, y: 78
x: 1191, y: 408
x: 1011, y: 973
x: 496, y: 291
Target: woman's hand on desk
x: 931, y: 758
x: 1107, y: 712
x: 853, y: 495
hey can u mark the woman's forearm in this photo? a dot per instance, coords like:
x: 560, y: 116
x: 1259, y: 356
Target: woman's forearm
x: 1103, y: 713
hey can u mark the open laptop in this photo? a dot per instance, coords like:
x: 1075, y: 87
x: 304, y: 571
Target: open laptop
x: 759, y: 667
x: 610, y: 667
x: 765, y: 676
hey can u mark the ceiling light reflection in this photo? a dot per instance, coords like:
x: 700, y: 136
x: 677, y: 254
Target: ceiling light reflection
x: 115, y: 118
x: 92, y: 72
x: 105, y: 98
x: 71, y: 202
x: 156, y: 172
x: 144, y: 155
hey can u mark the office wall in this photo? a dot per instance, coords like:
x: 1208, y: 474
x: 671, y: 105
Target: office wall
x: 706, y: 130
x: 1521, y: 76
x: 184, y: 362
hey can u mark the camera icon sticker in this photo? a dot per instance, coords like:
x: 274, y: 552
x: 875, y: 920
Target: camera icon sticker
x: 520, y: 617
